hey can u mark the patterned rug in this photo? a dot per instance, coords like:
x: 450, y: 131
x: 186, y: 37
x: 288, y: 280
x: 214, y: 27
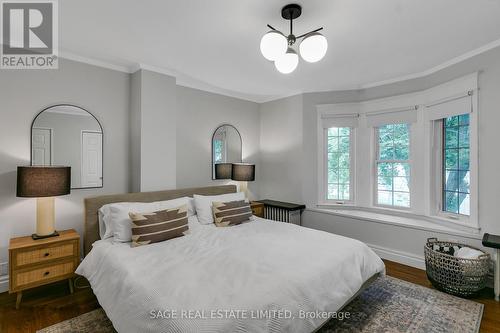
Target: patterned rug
x: 388, y: 305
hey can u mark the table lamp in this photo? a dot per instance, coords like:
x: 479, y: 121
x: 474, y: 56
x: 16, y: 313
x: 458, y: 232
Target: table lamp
x: 223, y: 170
x: 243, y: 172
x: 43, y: 183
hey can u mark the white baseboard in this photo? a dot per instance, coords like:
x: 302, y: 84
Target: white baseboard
x: 399, y: 256
x: 4, y: 283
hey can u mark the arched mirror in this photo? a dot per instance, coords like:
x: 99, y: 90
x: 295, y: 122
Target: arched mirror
x: 226, y: 146
x: 71, y: 136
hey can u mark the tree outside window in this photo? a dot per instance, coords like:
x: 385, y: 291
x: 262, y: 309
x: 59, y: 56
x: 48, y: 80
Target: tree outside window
x: 456, y: 161
x: 339, y: 163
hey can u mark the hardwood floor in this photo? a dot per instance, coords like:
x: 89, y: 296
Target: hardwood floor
x: 44, y: 306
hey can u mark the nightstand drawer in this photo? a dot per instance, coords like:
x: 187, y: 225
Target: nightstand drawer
x: 257, y: 208
x: 258, y: 211
x: 42, y: 254
x: 40, y: 275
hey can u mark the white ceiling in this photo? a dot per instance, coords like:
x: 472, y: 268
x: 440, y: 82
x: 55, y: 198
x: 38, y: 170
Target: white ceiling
x: 214, y: 45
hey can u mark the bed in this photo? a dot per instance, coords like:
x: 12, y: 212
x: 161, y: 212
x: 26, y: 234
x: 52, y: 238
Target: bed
x: 259, y: 276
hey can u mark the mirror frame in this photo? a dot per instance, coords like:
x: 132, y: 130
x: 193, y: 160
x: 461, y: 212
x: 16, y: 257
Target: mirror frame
x: 212, y: 147
x: 102, y: 133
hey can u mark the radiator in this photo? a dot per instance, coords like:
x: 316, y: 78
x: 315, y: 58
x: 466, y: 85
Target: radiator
x: 282, y: 211
x: 282, y: 215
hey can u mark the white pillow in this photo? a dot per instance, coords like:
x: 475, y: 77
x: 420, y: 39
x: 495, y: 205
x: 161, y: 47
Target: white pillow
x: 178, y: 202
x: 116, y: 220
x: 103, y: 232
x: 203, y: 204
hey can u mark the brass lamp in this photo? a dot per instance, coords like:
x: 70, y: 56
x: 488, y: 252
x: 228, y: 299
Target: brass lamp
x: 43, y: 183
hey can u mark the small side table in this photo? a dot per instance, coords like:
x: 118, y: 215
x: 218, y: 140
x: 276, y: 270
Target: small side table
x: 38, y: 262
x: 493, y: 241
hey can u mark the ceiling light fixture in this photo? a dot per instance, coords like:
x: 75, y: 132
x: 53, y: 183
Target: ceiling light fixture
x: 278, y: 48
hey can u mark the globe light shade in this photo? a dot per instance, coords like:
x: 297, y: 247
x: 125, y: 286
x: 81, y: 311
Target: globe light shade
x: 273, y: 44
x: 287, y: 62
x: 313, y: 47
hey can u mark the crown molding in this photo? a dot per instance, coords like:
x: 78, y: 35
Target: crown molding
x: 95, y: 62
x: 159, y: 70
x: 190, y: 82
x: 446, y: 64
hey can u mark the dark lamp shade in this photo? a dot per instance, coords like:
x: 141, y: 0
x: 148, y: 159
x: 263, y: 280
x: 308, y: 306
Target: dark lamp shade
x: 223, y: 170
x: 43, y: 181
x: 243, y: 172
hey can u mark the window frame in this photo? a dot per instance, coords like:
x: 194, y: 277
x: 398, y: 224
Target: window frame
x: 375, y: 170
x: 438, y: 184
x: 323, y: 188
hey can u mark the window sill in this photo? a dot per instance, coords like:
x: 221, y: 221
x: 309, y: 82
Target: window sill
x: 401, y: 219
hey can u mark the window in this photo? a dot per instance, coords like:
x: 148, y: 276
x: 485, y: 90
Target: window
x: 413, y: 155
x: 219, y: 151
x: 456, y: 165
x: 339, y: 163
x: 393, y: 165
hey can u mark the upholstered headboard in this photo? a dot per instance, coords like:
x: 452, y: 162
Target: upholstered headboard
x: 92, y: 205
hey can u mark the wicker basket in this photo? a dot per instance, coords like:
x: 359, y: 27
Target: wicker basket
x: 457, y: 276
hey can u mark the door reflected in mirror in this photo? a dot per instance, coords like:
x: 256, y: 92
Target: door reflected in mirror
x: 226, y: 146
x: 71, y: 136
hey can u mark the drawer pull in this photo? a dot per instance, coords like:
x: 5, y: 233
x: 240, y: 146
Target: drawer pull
x: 46, y: 254
x: 46, y: 273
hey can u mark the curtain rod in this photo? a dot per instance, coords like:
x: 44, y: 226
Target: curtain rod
x: 340, y: 115
x: 469, y: 93
x: 394, y: 110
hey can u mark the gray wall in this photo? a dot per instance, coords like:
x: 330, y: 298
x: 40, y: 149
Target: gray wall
x: 135, y: 131
x: 281, y: 144
x: 199, y: 113
x: 153, y: 131
x: 24, y: 93
x: 305, y: 153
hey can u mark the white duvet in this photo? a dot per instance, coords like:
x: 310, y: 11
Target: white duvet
x: 259, y: 276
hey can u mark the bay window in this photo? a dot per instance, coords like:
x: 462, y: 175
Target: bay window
x: 412, y: 155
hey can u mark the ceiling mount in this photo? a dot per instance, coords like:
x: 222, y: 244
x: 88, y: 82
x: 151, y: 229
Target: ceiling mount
x: 291, y: 12
x: 277, y: 47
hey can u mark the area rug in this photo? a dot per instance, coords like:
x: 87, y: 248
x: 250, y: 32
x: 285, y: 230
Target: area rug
x: 388, y: 305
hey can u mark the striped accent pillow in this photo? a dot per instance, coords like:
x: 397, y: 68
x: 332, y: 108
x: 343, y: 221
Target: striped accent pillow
x: 158, y: 226
x: 231, y: 213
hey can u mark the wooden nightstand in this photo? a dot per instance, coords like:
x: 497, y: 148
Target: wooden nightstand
x: 34, y: 263
x: 257, y: 208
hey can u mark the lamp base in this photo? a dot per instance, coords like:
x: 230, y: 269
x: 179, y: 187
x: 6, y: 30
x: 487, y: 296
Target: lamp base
x: 35, y: 236
x: 244, y: 188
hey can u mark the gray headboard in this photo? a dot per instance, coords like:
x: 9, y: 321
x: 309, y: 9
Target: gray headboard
x: 92, y: 205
